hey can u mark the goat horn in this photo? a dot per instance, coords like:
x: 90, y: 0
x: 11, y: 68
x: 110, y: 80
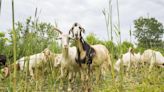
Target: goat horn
x: 55, y: 29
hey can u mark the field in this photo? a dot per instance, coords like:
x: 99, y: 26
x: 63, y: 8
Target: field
x: 33, y: 36
x: 137, y: 80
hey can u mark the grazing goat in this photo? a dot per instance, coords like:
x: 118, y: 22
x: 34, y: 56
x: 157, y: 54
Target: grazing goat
x: 67, y: 61
x: 34, y: 60
x: 128, y: 59
x: 96, y: 57
x: 153, y: 58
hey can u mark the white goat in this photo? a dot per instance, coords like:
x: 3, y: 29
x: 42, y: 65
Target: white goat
x: 68, y: 63
x: 96, y: 56
x: 128, y: 59
x: 153, y: 58
x: 34, y: 60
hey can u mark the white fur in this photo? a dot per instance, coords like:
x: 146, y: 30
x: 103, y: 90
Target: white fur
x: 68, y: 63
x: 128, y: 59
x: 57, y: 60
x: 153, y: 58
x: 33, y: 60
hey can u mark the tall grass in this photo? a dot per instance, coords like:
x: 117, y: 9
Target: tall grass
x: 14, y: 47
x: 139, y: 81
x: 117, y: 30
x: 108, y: 20
x: 0, y: 6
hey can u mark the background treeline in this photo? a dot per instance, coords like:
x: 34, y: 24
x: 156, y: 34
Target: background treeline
x: 33, y: 36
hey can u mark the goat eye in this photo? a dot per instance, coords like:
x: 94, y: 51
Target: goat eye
x: 69, y: 38
x: 79, y: 27
x: 60, y: 38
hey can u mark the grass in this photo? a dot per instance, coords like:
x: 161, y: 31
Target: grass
x: 133, y: 81
x: 139, y: 80
x: 14, y: 47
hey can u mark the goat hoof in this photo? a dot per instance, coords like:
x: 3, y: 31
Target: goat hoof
x: 69, y: 89
x: 60, y: 88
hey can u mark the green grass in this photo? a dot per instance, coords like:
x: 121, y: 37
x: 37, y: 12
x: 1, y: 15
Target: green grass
x: 139, y: 81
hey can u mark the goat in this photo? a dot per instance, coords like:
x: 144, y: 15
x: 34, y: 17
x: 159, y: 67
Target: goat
x: 67, y: 58
x: 34, y: 60
x: 96, y: 57
x: 152, y: 57
x: 129, y: 58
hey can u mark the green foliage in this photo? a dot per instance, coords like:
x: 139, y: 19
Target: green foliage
x: 2, y: 34
x: 3, y: 42
x: 149, y: 32
x: 92, y: 39
x: 32, y: 37
x: 125, y: 46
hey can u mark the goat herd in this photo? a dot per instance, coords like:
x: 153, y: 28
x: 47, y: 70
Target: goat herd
x: 84, y: 59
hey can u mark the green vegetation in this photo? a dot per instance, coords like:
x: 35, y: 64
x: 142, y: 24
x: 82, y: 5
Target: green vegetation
x: 149, y: 31
x: 31, y: 40
x: 32, y: 36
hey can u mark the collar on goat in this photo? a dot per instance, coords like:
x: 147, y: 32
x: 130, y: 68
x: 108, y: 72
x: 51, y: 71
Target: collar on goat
x: 90, y: 52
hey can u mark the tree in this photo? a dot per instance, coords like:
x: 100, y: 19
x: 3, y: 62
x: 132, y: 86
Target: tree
x: 149, y: 32
x: 32, y: 37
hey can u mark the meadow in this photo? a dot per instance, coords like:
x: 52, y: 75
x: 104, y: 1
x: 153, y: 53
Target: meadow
x: 32, y: 36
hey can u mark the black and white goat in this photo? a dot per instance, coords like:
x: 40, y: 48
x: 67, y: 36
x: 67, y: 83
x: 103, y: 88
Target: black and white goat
x: 96, y: 57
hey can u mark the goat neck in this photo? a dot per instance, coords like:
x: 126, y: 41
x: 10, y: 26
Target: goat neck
x: 65, y: 52
x: 79, y: 44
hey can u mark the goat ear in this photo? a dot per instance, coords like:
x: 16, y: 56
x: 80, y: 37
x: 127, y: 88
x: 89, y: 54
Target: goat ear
x: 132, y: 50
x: 83, y: 30
x: 70, y: 31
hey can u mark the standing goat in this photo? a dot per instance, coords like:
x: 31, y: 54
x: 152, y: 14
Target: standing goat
x: 67, y: 61
x: 96, y: 57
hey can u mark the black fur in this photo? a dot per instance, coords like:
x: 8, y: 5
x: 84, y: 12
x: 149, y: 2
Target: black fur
x: 2, y: 60
x: 90, y: 52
